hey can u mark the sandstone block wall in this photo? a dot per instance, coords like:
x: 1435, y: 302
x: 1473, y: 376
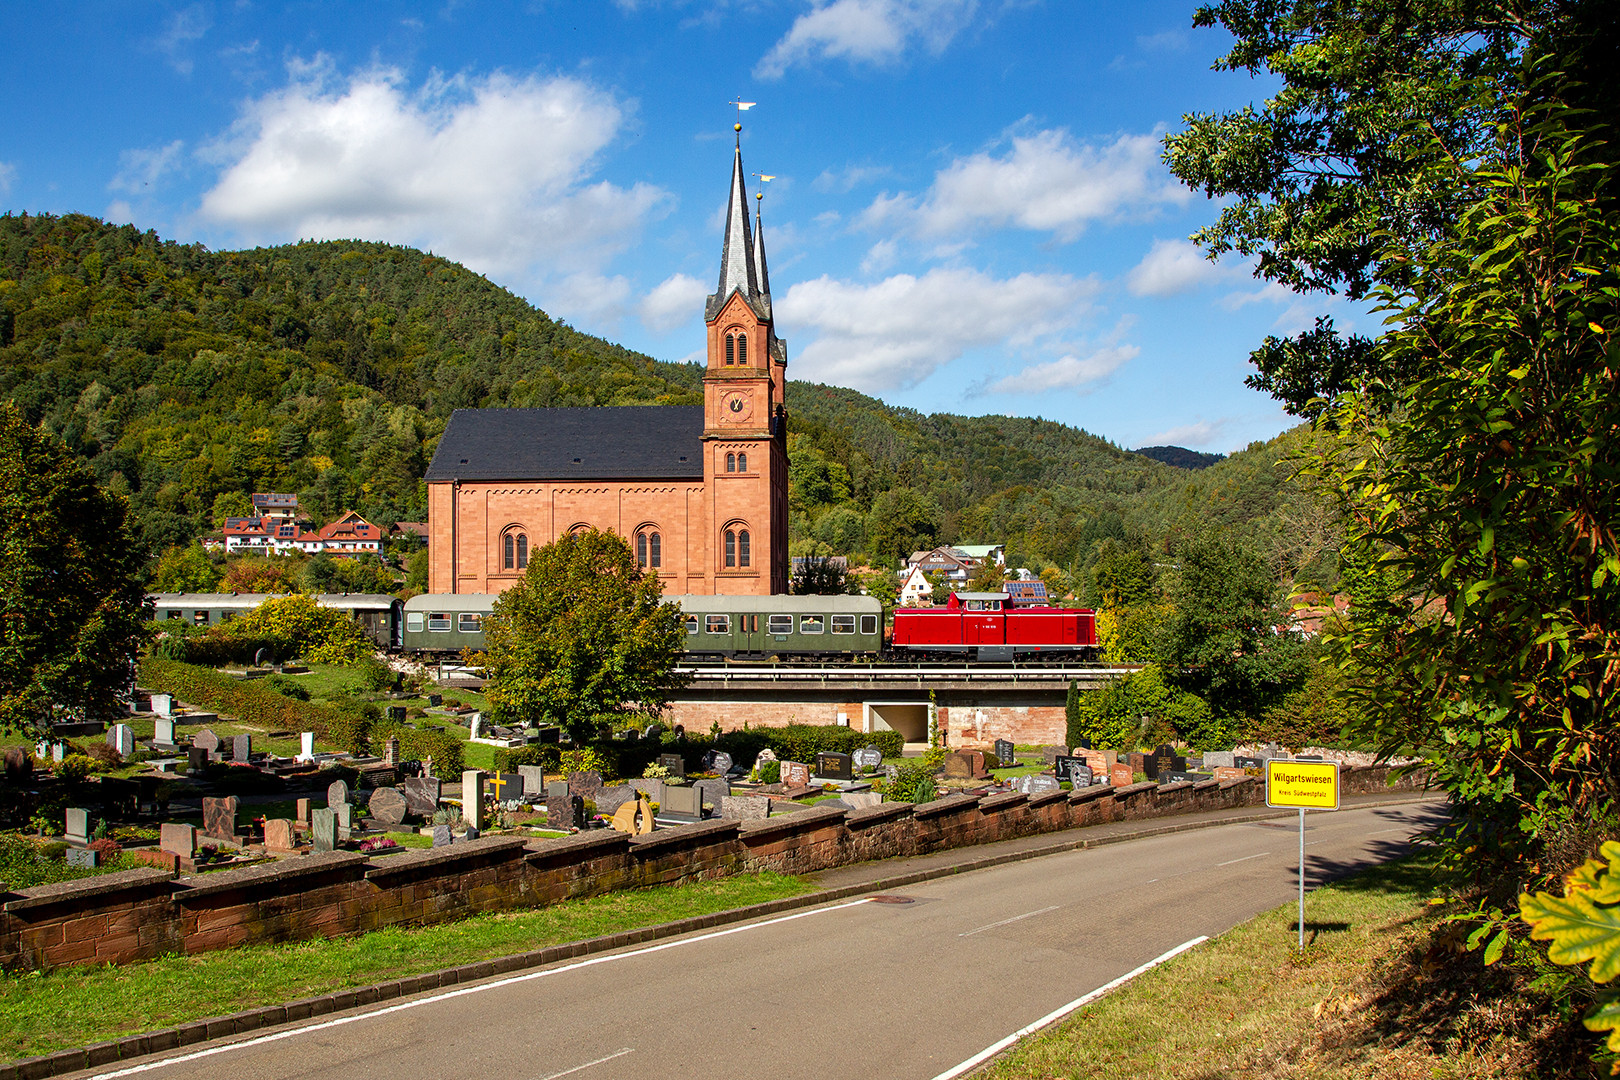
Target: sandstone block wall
x: 145, y: 912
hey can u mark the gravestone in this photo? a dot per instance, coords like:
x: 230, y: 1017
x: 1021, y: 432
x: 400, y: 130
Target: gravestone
x: 388, y: 807
x: 1006, y: 753
x: 559, y: 811
x: 337, y: 792
x: 1062, y: 767
x: 1036, y: 784
x: 242, y: 748
x: 435, y: 700
x: 534, y: 781
x: 504, y: 786
x: 196, y: 759
x: 610, y: 798
x: 323, y: 829
x: 766, y: 754
x: 745, y: 807
x: 717, y: 762
x: 1164, y: 760
x: 306, y: 746
x: 345, y: 820
x: 1080, y: 776
x: 675, y: 763
x: 122, y: 739
x: 1096, y: 761
x: 1084, y: 744
x: 391, y: 750
x: 834, y: 766
x: 77, y: 826
x: 279, y: 835
x: 163, y: 732
x: 712, y: 792
x: 1242, y: 762
x: 861, y: 800
x: 868, y: 757
x: 634, y: 817
x: 422, y: 795
x: 1121, y: 775
x: 178, y: 839
x: 442, y: 837
x: 551, y: 735
x: 651, y: 787
x: 207, y: 740
x: 219, y: 817
x: 1230, y: 772
x: 957, y: 767
x: 556, y: 788
x: 303, y: 806
x: 82, y: 858
x: 1051, y: 753
x: 163, y: 704
x: 682, y: 802
x: 475, y: 726
x: 472, y: 798
x: 795, y: 774
x: 585, y: 784
x: 396, y: 713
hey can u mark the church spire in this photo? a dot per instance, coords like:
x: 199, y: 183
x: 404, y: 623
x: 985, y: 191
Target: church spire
x: 762, y: 276
x: 737, y: 253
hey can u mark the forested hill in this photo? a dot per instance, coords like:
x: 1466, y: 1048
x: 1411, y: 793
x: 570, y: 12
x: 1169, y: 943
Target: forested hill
x: 190, y: 378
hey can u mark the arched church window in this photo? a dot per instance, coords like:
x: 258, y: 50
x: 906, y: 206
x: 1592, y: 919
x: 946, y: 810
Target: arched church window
x: 742, y: 462
x: 731, y: 350
x: 742, y: 348
x: 731, y: 549
x: 522, y: 551
x: 649, y: 549
x: 742, y: 548
x: 731, y: 463
x: 509, y: 559
x: 641, y: 549
x: 514, y: 550
x: 656, y: 542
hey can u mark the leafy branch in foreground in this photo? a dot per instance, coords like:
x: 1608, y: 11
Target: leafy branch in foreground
x: 1584, y: 925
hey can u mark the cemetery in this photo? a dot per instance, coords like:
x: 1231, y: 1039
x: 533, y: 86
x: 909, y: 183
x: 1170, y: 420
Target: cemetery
x: 323, y: 842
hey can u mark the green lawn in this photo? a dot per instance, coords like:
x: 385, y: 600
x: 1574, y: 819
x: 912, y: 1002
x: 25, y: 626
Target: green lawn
x: 41, y: 1013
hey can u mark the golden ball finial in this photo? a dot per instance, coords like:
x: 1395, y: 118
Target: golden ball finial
x: 736, y: 127
x: 759, y: 194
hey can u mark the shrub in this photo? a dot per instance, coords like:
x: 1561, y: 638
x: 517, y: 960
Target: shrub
x: 587, y: 759
x: 74, y: 767
x: 770, y: 772
x: 347, y: 725
x: 299, y: 625
x: 913, y: 779
x: 104, y: 756
x: 546, y: 756
x: 286, y: 686
x: 447, y: 751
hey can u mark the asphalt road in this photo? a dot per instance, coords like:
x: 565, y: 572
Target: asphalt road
x: 853, y: 989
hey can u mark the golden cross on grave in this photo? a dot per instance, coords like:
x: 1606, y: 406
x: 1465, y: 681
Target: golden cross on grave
x: 495, y: 785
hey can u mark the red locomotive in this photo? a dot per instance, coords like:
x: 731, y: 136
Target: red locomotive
x: 986, y: 626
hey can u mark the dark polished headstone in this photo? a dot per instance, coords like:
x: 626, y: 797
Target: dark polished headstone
x: 835, y: 766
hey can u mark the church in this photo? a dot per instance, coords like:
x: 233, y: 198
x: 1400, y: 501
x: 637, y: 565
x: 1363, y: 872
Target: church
x: 700, y: 492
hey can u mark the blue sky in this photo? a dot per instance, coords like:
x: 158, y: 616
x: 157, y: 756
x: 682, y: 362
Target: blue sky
x: 969, y: 212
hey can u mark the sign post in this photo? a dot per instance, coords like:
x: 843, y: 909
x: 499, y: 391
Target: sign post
x: 1305, y: 785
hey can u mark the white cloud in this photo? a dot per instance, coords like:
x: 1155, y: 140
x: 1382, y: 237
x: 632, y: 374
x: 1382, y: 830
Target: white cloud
x: 494, y: 172
x: 675, y: 301
x: 848, y: 178
x: 879, y: 257
x: 8, y: 176
x: 1269, y: 293
x: 1171, y: 267
x: 1173, y: 40
x: 140, y: 170
x: 184, y: 27
x: 1045, y: 182
x: 1201, y: 433
x: 600, y: 299
x: 1066, y: 372
x: 866, y: 31
x: 897, y: 332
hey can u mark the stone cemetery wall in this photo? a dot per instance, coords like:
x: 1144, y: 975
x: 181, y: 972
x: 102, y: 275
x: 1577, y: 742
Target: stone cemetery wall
x: 142, y: 913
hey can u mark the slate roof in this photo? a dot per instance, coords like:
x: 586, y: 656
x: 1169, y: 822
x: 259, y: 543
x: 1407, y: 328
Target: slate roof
x: 623, y: 442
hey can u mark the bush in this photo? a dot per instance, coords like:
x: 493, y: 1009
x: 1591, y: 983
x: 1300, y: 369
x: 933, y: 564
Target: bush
x: 286, y: 686
x: 74, y: 767
x: 347, y: 725
x: 770, y: 772
x: 586, y: 760
x: 914, y: 778
x: 297, y: 624
x: 546, y: 756
x: 447, y: 751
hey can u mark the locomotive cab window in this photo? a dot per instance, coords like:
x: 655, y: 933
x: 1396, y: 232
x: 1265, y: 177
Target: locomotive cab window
x: 717, y: 624
x: 438, y: 621
x: 779, y: 624
x: 811, y: 624
x: 869, y: 624
x: 470, y: 622
x: 413, y: 622
x: 843, y: 624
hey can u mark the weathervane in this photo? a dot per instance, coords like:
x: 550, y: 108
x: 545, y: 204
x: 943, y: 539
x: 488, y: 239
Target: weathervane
x: 742, y: 107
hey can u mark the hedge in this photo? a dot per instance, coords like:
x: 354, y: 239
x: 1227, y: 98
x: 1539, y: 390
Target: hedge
x: 795, y: 742
x: 347, y: 725
x: 444, y: 748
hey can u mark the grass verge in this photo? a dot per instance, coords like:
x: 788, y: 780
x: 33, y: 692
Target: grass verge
x: 70, y: 1007
x: 1246, y: 1005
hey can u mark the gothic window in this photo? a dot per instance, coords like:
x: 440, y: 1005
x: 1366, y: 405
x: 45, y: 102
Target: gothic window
x: 731, y: 549
x: 641, y: 550
x: 742, y: 348
x: 731, y: 350
x: 742, y: 462
x: 731, y: 463
x: 649, y: 549
x: 742, y: 548
x: 657, y: 543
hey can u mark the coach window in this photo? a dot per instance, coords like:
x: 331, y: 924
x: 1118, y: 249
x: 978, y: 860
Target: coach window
x: 779, y: 624
x: 438, y: 621
x: 811, y: 624
x: 843, y: 624
x: 717, y: 624
x: 691, y: 624
x: 868, y: 624
x: 413, y: 622
x: 200, y: 618
x: 470, y: 622
x: 173, y: 614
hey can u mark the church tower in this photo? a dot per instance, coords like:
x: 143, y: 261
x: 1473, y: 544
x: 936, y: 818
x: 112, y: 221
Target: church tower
x: 745, y: 414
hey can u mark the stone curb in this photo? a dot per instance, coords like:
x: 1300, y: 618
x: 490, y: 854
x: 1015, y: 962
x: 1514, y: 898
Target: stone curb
x: 268, y: 1016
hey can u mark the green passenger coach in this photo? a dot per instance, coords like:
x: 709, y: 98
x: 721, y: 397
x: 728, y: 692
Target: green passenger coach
x: 763, y: 626
x: 446, y: 622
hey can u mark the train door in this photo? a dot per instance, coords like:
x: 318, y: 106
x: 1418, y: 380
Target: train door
x: 748, y: 632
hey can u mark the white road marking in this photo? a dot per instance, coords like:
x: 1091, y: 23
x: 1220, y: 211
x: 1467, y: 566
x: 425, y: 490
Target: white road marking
x: 1245, y: 858
x: 465, y: 991
x: 1052, y: 1017
x: 588, y: 1064
x: 1015, y: 918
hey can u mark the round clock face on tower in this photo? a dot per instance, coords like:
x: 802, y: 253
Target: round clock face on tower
x: 737, y: 407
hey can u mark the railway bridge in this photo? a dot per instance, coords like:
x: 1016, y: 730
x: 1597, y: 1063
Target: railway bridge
x: 973, y: 704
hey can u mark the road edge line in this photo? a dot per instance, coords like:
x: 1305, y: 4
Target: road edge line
x: 1058, y: 1014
